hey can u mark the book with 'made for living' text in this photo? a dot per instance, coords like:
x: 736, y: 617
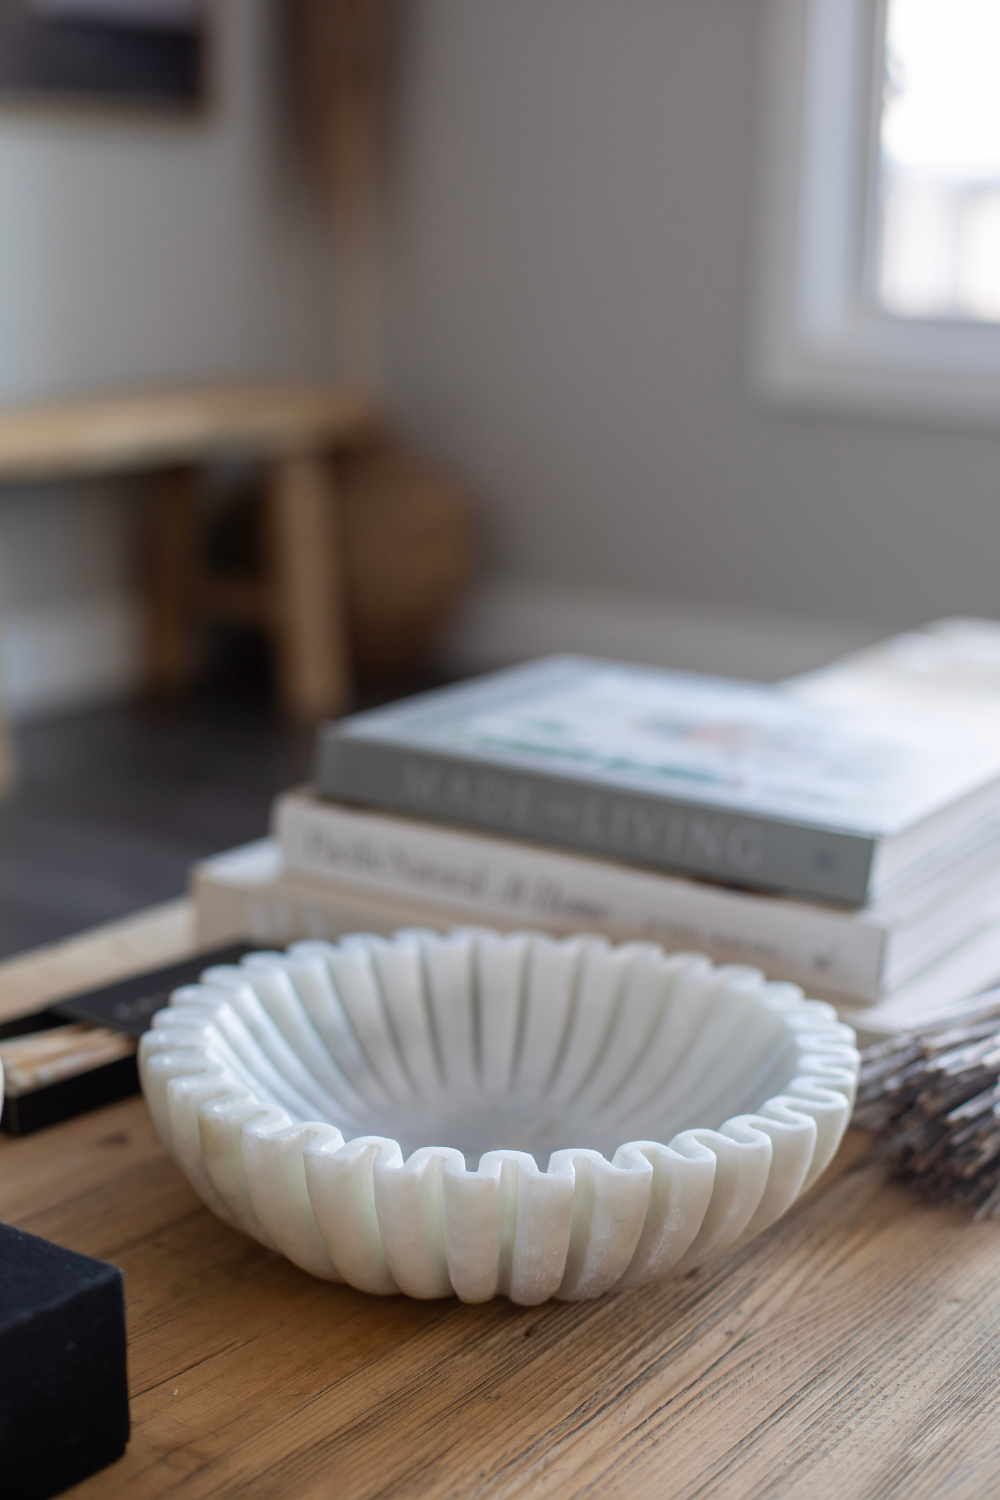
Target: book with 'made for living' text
x: 743, y: 783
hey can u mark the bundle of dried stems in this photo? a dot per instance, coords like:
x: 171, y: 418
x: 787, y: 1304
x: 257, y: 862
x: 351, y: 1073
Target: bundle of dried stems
x: 343, y: 52
x: 932, y: 1099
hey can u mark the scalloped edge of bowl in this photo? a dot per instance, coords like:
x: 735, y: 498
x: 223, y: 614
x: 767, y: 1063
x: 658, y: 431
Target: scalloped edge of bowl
x: 354, y: 1211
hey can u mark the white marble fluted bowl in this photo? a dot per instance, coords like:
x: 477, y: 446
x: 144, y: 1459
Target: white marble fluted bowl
x: 444, y: 1115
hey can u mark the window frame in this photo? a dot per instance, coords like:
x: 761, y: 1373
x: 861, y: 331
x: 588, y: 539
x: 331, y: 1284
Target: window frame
x: 820, y: 341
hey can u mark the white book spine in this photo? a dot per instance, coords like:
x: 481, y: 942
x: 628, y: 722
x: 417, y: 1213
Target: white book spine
x: 534, y: 886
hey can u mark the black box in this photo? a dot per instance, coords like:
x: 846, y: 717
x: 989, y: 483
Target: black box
x: 63, y: 1383
x: 127, y: 1005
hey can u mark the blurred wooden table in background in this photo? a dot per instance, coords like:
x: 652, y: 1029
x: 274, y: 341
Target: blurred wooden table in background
x: 292, y: 429
x: 852, y: 1351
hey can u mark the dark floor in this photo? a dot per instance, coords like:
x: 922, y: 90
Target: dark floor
x: 111, y: 806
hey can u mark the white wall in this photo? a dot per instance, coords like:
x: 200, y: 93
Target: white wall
x: 568, y: 284
x: 141, y: 249
x: 570, y: 232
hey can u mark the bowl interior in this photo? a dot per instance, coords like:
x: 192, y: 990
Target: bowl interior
x: 479, y: 1041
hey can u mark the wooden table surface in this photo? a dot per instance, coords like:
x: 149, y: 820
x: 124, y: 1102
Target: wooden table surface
x: 850, y: 1351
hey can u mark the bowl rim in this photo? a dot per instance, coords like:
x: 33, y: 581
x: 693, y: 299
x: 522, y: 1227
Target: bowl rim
x: 776, y: 1149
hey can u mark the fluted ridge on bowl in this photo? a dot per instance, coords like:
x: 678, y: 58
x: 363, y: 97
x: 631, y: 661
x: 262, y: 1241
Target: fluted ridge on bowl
x: 266, y: 1081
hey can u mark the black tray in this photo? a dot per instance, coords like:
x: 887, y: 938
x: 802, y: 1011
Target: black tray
x: 127, y: 1005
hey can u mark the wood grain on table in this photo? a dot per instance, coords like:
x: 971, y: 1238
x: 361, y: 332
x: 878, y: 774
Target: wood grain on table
x: 851, y: 1351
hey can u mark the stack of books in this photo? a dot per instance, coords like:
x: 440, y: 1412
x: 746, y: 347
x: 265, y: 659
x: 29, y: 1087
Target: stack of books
x: 850, y: 844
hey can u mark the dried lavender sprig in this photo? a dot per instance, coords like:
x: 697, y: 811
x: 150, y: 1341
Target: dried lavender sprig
x: 931, y: 1098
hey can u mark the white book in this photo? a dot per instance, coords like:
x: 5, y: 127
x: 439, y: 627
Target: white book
x: 245, y: 893
x: 950, y: 668
x: 861, y: 954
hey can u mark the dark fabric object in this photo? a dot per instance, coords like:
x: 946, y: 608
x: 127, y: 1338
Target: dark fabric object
x: 63, y: 1386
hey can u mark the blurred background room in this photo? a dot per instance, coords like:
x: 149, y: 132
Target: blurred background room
x: 348, y: 346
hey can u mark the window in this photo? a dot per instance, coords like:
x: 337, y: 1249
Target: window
x: 880, y: 213
x: 938, y: 187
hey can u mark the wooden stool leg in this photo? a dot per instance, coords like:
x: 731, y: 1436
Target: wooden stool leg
x: 309, y: 607
x: 173, y: 571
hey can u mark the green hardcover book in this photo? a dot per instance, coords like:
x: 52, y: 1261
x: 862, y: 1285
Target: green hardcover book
x: 738, y: 782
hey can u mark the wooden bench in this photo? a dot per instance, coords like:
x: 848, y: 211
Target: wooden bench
x: 291, y: 429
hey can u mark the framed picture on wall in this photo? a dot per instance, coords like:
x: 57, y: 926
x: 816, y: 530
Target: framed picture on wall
x: 131, y: 51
